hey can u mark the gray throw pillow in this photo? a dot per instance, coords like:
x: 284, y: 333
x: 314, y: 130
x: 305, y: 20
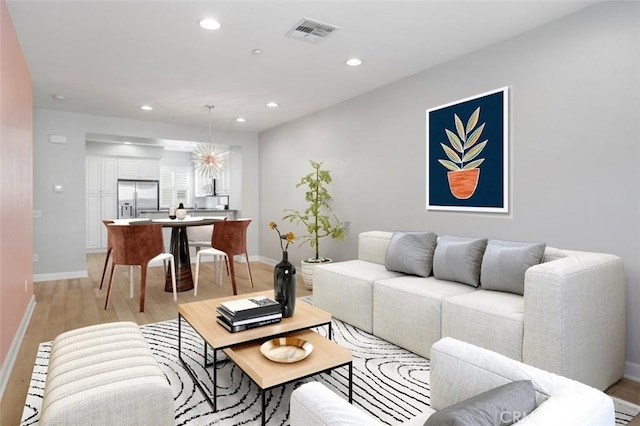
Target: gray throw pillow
x: 411, y: 252
x: 501, y: 406
x: 505, y: 262
x: 459, y: 259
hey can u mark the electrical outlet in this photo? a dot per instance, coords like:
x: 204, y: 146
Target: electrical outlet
x: 37, y: 214
x: 35, y: 257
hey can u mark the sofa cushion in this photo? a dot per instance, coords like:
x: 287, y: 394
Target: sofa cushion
x: 345, y: 289
x: 459, y: 259
x: 505, y: 262
x: 411, y: 253
x: 490, y: 319
x: 407, y: 310
x: 501, y: 406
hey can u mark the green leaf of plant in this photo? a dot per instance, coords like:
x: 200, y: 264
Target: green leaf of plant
x: 453, y: 139
x: 451, y: 154
x: 473, y: 152
x: 473, y: 164
x: 460, y: 127
x: 449, y: 165
x: 473, y: 120
x: 474, y: 137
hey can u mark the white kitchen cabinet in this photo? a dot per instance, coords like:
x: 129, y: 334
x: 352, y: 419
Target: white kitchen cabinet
x: 101, y: 198
x: 99, y: 207
x: 129, y: 168
x: 101, y: 174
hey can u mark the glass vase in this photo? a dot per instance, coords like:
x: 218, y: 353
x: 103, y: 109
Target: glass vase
x: 284, y: 285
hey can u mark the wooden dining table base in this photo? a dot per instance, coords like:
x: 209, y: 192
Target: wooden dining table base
x: 180, y: 249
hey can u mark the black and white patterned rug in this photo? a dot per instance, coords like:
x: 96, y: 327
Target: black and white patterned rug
x: 389, y: 382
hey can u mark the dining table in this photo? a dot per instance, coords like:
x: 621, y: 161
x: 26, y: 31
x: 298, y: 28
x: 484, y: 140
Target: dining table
x: 179, y: 247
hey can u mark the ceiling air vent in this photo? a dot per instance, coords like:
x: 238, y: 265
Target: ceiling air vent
x: 311, y: 31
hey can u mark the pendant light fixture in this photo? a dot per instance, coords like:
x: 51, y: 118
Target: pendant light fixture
x: 208, y: 160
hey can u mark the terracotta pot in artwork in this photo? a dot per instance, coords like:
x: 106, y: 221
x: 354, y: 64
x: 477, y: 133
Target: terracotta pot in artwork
x: 463, y: 183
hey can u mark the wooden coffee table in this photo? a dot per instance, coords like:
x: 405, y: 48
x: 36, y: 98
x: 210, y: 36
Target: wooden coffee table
x: 202, y: 318
x: 266, y: 374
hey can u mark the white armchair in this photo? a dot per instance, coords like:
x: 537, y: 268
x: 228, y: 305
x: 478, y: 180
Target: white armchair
x: 460, y: 371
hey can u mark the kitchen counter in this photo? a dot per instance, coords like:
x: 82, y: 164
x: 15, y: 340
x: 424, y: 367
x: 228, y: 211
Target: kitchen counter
x: 154, y: 214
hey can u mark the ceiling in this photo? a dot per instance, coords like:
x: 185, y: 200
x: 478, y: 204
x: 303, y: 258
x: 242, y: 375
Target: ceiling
x: 110, y: 57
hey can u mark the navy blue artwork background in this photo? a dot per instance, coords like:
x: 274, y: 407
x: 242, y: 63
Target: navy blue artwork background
x: 489, y: 192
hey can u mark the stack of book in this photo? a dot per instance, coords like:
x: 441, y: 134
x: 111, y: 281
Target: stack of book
x: 243, y: 314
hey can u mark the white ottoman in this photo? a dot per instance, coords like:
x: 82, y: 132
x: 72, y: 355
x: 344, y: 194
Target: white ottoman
x: 105, y: 375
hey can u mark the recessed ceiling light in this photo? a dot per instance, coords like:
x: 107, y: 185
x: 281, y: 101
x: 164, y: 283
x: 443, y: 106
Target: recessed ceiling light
x: 127, y: 143
x: 58, y: 97
x: 241, y: 119
x: 353, y: 62
x: 256, y: 51
x: 210, y: 24
x: 146, y: 107
x: 272, y: 104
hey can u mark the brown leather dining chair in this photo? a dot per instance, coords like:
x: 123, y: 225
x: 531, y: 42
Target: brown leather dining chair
x: 138, y: 245
x: 229, y: 238
x: 106, y: 222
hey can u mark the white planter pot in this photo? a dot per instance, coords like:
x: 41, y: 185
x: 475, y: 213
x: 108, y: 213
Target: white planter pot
x: 307, y: 271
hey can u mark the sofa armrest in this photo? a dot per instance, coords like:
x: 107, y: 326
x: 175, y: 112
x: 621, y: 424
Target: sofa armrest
x: 460, y: 371
x: 313, y: 404
x: 574, y: 317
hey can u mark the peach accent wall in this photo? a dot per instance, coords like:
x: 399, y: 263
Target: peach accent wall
x: 16, y: 183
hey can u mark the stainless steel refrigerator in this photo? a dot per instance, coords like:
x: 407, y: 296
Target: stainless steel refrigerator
x: 137, y: 195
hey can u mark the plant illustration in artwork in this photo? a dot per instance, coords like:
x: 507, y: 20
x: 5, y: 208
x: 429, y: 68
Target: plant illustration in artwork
x: 463, y: 163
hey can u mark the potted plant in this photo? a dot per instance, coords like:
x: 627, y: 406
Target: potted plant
x: 318, y: 218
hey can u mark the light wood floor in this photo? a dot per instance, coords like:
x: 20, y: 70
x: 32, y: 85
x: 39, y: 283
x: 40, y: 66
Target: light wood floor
x: 68, y: 304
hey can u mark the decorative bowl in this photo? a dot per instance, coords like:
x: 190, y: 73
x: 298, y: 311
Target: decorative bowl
x: 286, y: 349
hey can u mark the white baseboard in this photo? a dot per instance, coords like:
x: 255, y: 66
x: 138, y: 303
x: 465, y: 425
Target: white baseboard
x: 267, y: 260
x: 60, y: 276
x: 7, y: 366
x: 632, y: 371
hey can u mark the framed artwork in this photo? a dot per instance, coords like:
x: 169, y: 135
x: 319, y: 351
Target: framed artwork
x: 467, y: 154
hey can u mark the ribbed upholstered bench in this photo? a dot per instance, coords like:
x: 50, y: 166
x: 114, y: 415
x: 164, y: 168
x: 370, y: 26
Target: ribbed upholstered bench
x: 105, y: 375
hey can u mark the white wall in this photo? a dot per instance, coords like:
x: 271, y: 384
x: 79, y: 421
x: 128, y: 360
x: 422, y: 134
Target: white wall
x: 574, y: 148
x: 59, y: 235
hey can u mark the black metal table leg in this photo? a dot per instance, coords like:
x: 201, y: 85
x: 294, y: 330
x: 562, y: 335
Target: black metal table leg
x: 212, y: 401
x: 215, y: 380
x: 263, y: 407
x: 179, y: 336
x: 350, y: 382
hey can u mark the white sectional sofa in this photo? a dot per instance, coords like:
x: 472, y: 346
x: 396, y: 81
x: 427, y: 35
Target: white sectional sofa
x: 570, y: 319
x: 460, y: 371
